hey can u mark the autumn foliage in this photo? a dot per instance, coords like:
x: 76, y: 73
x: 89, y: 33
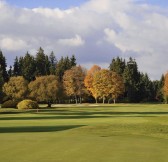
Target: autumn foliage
x: 104, y: 84
x: 165, y: 88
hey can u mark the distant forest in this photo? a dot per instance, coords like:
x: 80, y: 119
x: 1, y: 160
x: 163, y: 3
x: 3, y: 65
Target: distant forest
x: 45, y: 79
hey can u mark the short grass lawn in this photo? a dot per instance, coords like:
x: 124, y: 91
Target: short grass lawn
x: 85, y: 133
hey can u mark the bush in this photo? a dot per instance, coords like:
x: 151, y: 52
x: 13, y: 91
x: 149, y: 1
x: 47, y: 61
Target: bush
x: 9, y: 104
x: 27, y: 104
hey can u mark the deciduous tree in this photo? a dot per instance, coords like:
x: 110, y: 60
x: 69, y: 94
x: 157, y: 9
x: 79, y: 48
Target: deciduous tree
x: 88, y: 81
x: 116, y: 86
x: 44, y: 89
x: 165, y: 88
x: 101, y: 83
x: 73, y: 81
x: 16, y: 88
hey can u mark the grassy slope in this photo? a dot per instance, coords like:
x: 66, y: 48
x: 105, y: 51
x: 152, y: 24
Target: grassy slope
x: 108, y: 133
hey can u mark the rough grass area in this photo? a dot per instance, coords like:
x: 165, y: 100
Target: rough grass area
x: 85, y: 133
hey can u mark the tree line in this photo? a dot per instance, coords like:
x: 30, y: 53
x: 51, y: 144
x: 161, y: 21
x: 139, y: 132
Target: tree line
x: 45, y: 79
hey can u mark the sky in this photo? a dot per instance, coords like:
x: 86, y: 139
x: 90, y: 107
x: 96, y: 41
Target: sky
x: 95, y: 31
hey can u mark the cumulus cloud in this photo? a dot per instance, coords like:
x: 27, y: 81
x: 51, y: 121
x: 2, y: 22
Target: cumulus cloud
x: 95, y: 32
x: 76, y: 41
x: 12, y: 44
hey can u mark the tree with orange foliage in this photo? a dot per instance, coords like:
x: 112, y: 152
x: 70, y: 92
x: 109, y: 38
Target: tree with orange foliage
x: 165, y: 88
x: 117, y: 86
x: 88, y: 81
x: 73, y: 82
x: 101, y: 83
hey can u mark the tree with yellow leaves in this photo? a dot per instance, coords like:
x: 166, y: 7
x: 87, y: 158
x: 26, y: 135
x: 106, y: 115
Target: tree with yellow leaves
x: 45, y: 89
x: 89, y: 81
x: 16, y: 88
x: 101, y: 83
x: 73, y: 82
x: 165, y: 88
x: 117, y: 86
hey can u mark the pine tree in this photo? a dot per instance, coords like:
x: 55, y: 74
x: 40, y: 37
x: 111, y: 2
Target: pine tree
x: 28, y: 67
x: 10, y: 72
x: 53, y: 63
x: 63, y: 65
x: 16, y: 68
x: 132, y: 81
x: 73, y: 61
x: 117, y: 65
x: 1, y: 85
x: 40, y: 63
x: 160, y: 95
x: 3, y: 66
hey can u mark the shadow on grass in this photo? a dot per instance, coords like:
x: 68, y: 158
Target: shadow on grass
x: 37, y: 129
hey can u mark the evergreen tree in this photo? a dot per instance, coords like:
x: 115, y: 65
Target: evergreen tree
x: 28, y: 67
x: 53, y: 63
x: 40, y: 63
x: 63, y: 65
x: 146, y: 89
x: 10, y: 72
x: 1, y: 85
x: 16, y: 68
x: 3, y: 66
x: 132, y: 81
x: 160, y: 85
x: 73, y: 61
x: 117, y: 65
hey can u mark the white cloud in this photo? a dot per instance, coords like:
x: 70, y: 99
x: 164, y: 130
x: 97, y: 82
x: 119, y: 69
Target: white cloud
x: 76, y: 41
x: 95, y: 32
x: 12, y: 44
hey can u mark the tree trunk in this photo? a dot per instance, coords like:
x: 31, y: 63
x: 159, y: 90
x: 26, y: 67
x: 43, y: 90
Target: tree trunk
x: 103, y: 100
x: 108, y: 101
x: 96, y: 100
x: 76, y: 100
x: 49, y: 104
x: 114, y: 101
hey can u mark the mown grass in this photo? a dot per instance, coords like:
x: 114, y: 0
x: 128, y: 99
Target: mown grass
x: 93, y: 133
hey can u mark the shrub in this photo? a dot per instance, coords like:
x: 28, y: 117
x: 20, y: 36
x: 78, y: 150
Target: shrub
x: 27, y: 104
x: 9, y: 104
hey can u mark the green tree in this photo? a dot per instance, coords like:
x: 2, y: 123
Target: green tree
x: 131, y: 78
x: 117, y: 65
x: 53, y: 63
x: 63, y: 65
x: 160, y: 93
x: 3, y: 66
x: 10, y: 72
x: 73, y: 61
x: 1, y: 85
x: 16, y: 67
x: 16, y: 88
x: 28, y: 67
x: 45, y: 89
x: 41, y: 67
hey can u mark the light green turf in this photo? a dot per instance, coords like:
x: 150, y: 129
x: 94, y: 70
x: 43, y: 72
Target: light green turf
x: 85, y: 133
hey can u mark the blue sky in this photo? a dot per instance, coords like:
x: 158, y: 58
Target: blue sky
x: 46, y: 3
x: 64, y: 4
x: 163, y: 3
